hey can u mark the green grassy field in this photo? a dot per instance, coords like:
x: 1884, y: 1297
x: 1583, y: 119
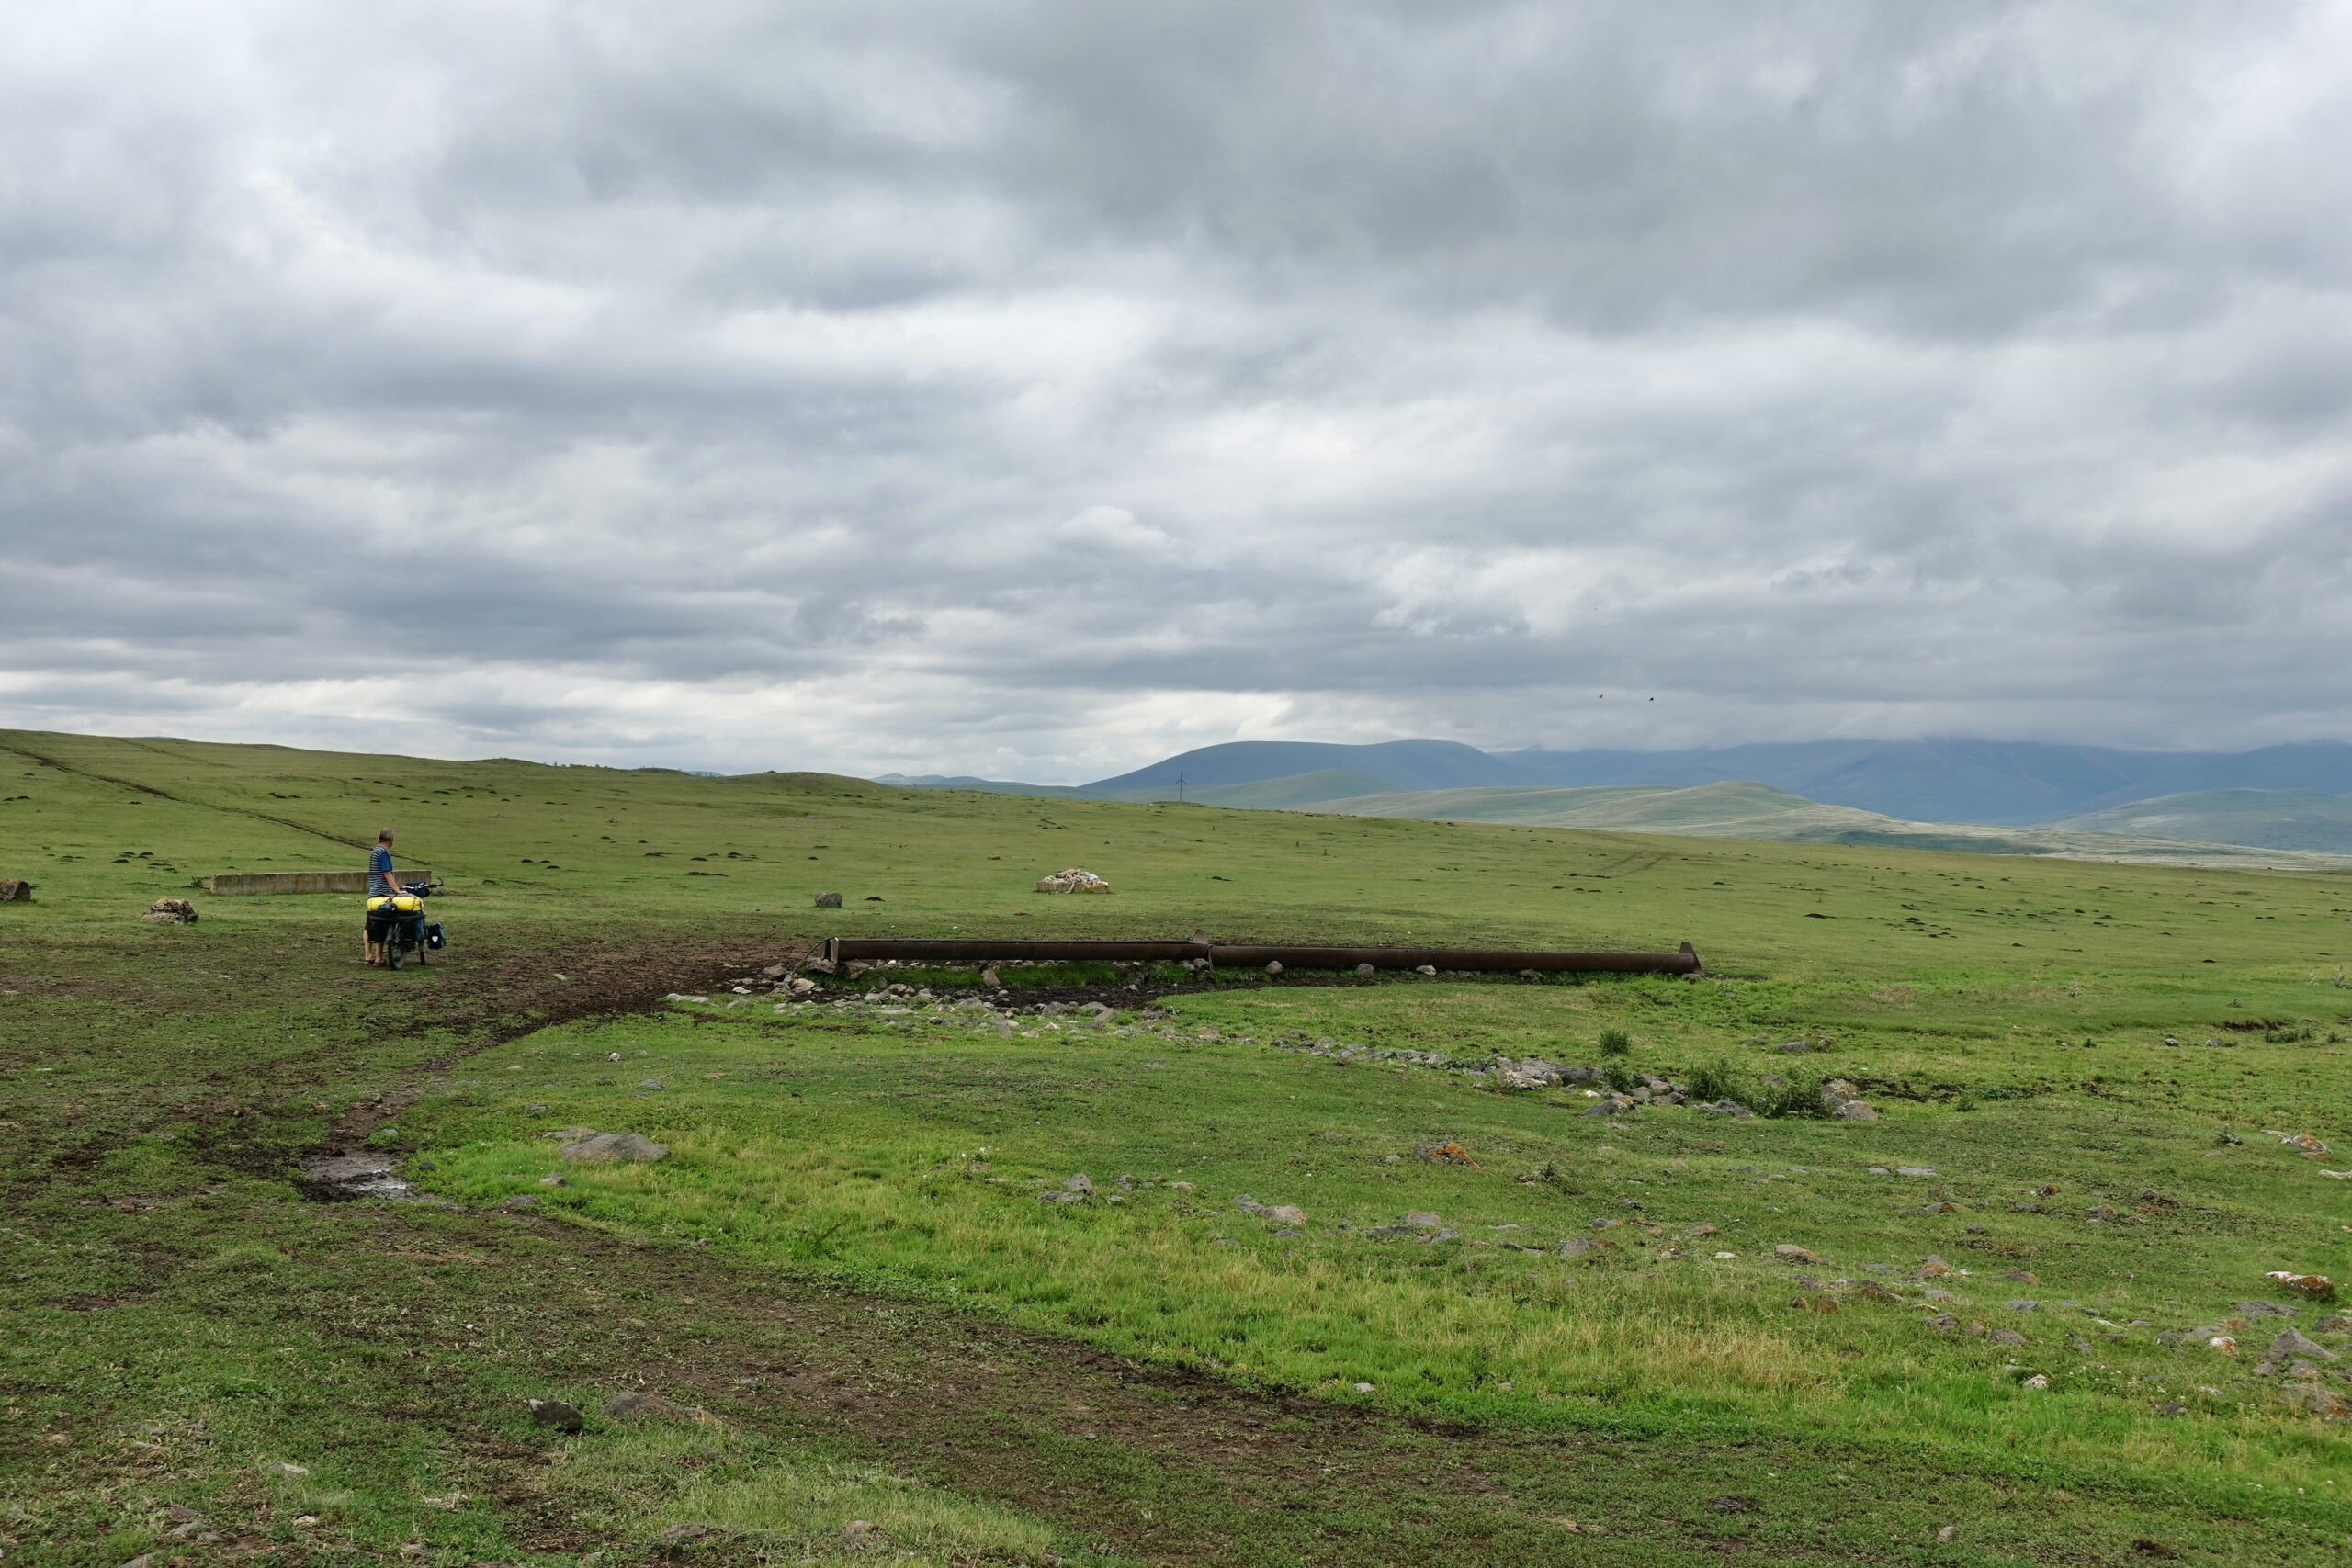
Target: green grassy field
x: 846, y: 1261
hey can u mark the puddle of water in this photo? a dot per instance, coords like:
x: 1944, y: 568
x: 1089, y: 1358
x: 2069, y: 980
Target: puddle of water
x: 343, y: 1177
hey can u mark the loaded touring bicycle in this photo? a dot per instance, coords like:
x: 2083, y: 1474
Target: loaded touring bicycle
x: 400, y: 924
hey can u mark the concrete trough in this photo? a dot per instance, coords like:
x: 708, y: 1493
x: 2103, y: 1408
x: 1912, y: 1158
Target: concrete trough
x: 301, y: 881
x: 1224, y: 955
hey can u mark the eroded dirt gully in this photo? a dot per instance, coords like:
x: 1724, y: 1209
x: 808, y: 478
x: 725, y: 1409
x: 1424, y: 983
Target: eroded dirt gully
x: 1161, y: 1464
x: 1164, y: 1464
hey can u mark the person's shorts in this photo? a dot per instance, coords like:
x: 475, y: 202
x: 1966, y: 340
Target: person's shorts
x: 379, y: 924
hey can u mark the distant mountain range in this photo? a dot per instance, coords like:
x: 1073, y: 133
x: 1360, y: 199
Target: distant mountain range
x: 2285, y: 797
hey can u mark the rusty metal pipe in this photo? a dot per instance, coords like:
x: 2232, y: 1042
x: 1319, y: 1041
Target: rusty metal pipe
x: 871, y: 949
x: 849, y: 949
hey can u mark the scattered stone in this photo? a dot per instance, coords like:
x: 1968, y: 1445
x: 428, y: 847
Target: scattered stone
x: 1915, y: 1170
x: 1363, y: 971
x: 634, y: 1404
x: 598, y: 1146
x: 1423, y: 969
x: 2037, y: 1380
x: 1274, y: 967
x: 1282, y: 1213
x: 2022, y: 1306
x: 2312, y: 1287
x: 521, y: 1200
x: 2291, y: 1343
x: 1789, y: 1252
x: 285, y: 1467
x: 557, y: 1414
x: 1950, y: 1532
x: 170, y: 912
x: 1444, y: 1154
x: 2332, y: 1325
x: 553, y: 1181
x: 1943, y: 1323
x: 1732, y: 1505
x: 1855, y: 1111
x: 2265, y: 1309
x: 678, y: 1533
x: 2081, y: 1346
x: 1074, y: 880
x: 829, y: 900
x: 1614, y: 1105
x: 16, y: 892
x: 1577, y: 1245
x: 1795, y: 1047
x: 2008, y: 1336
x: 1080, y: 1184
x: 2314, y: 1400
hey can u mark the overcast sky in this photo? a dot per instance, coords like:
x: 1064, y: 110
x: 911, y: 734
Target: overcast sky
x: 1033, y: 390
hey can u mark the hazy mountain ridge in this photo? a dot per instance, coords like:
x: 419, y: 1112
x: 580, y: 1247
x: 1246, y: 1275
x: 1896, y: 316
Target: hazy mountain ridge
x: 2290, y: 798
x: 1742, y: 809
x: 1997, y: 782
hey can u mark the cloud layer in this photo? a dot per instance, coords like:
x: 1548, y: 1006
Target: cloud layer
x: 1036, y: 389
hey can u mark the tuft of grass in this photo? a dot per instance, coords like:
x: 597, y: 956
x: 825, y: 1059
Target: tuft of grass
x: 1715, y: 1079
x: 685, y: 1481
x: 1615, y: 1041
x: 1797, y: 1094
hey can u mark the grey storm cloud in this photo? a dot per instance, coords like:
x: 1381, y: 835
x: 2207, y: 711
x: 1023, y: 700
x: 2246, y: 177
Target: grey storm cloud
x: 1035, y: 388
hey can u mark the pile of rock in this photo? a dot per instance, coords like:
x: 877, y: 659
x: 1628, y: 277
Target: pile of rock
x: 170, y: 912
x: 1839, y: 1099
x: 14, y: 892
x: 1537, y: 1073
x: 1074, y: 880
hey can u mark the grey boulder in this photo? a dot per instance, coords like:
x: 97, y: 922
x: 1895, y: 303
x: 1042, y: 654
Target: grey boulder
x: 597, y: 1147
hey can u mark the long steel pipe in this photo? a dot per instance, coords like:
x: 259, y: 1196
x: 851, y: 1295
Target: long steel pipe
x: 866, y: 949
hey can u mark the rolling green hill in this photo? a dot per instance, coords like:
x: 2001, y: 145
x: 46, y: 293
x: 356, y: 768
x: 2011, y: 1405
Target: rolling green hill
x: 2276, y: 819
x: 1740, y: 810
x: 1291, y: 794
x: 1322, y: 1254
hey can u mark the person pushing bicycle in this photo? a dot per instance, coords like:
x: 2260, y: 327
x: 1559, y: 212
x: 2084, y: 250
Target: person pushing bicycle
x: 379, y: 885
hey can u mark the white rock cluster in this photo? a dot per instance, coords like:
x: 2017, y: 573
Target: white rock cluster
x: 1074, y: 880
